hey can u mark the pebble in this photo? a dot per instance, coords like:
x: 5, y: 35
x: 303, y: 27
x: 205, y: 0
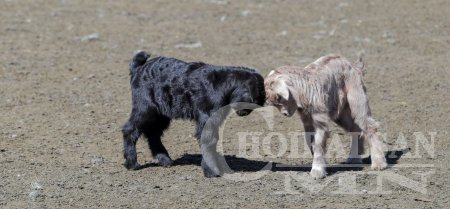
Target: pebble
x: 189, y: 46
x: 223, y: 18
x: 245, y: 13
x: 36, y: 191
x: 91, y: 37
x: 282, y: 33
x: 219, y: 2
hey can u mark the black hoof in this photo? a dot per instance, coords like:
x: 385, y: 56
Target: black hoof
x: 164, y: 160
x: 131, y: 165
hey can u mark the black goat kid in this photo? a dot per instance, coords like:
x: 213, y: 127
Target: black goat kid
x: 167, y: 88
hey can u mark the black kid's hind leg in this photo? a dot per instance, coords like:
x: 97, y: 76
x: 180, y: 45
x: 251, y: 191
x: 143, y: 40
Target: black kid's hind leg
x: 131, y: 131
x: 131, y: 134
x: 153, y: 130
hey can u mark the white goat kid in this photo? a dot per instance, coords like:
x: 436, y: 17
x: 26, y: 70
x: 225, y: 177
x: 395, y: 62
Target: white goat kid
x: 329, y: 89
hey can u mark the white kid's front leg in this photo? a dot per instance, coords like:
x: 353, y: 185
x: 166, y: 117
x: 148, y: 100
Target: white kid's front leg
x: 319, y: 148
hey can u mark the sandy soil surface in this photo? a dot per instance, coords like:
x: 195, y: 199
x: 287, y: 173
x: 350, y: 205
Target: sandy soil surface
x: 64, y: 93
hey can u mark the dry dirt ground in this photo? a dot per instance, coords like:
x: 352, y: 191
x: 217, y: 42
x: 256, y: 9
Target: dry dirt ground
x: 65, y: 93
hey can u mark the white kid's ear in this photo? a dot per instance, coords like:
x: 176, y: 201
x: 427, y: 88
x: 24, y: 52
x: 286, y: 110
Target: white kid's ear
x: 280, y: 87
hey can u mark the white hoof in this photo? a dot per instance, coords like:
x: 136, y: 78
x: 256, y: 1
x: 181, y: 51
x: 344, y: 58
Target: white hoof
x: 318, y: 172
x: 379, y: 164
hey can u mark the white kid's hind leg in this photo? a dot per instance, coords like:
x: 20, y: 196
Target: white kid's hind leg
x: 376, y: 146
x: 360, y: 111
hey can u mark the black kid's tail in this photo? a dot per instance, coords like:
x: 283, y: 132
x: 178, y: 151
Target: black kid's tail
x: 138, y: 60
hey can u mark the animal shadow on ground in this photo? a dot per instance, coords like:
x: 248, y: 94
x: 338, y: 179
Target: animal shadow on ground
x: 238, y: 164
x: 392, y: 158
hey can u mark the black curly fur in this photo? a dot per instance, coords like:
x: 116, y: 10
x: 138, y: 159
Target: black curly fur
x: 167, y: 88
